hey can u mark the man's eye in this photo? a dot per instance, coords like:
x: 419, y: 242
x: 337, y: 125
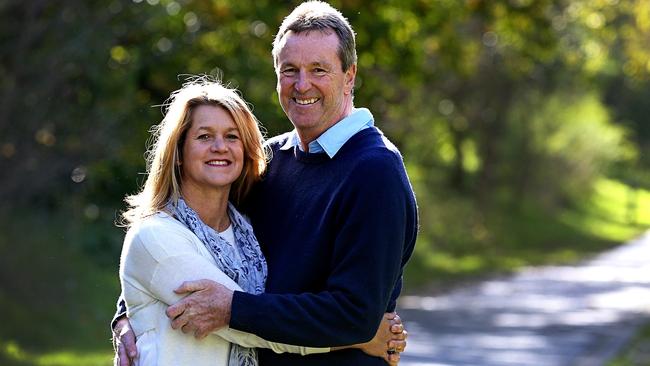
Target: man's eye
x: 288, y: 72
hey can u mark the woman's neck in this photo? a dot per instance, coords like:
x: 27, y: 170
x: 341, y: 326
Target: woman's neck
x: 212, y: 207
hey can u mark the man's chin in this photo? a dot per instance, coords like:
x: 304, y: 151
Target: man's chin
x: 302, y: 121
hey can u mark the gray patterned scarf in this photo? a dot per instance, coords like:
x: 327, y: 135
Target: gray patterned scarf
x: 248, y: 269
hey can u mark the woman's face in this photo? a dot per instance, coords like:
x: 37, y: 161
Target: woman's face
x: 213, y: 152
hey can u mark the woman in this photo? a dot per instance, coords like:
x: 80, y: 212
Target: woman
x: 206, y: 151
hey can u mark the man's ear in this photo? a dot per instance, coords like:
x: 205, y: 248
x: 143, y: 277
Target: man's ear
x: 350, y: 77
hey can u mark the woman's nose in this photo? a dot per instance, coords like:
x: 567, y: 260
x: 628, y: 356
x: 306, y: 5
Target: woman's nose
x: 219, y: 144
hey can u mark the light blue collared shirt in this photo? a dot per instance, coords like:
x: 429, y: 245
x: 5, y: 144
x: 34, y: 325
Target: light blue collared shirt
x: 336, y: 136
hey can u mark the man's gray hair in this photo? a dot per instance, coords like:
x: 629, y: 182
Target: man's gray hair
x: 320, y: 16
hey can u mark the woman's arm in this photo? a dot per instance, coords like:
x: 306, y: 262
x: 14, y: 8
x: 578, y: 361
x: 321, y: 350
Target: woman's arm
x: 160, y: 259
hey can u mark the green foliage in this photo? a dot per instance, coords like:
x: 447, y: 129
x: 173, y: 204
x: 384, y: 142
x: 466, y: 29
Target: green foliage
x: 560, y: 145
x: 508, y: 112
x: 526, y: 234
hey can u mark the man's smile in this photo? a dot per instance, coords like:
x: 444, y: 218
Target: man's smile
x: 306, y: 101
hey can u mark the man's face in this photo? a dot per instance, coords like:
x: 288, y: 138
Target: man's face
x: 314, y: 91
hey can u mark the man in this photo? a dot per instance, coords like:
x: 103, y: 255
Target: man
x: 335, y: 214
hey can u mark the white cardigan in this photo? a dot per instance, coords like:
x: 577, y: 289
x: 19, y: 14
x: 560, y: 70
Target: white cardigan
x: 160, y: 253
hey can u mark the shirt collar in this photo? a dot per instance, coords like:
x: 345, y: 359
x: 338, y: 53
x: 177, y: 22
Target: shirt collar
x: 336, y: 136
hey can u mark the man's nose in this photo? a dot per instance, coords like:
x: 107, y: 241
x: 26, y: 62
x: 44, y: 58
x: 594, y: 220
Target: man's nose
x: 302, y: 82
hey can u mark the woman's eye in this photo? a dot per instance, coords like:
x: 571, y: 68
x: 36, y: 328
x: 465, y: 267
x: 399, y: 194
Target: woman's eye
x: 204, y: 136
x: 232, y: 136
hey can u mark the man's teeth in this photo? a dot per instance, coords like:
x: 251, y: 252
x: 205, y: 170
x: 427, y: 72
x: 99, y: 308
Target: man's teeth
x: 218, y: 162
x: 306, y: 101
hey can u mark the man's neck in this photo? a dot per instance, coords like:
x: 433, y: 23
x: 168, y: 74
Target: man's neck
x: 306, y: 137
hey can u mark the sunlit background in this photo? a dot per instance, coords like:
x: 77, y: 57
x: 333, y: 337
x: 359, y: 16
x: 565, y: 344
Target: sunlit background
x: 524, y: 126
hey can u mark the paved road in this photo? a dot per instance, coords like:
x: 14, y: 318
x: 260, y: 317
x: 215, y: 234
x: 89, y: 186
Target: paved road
x: 550, y: 316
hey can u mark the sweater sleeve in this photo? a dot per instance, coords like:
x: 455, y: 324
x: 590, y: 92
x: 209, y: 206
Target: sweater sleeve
x: 158, y: 261
x: 375, y: 214
x: 120, y: 311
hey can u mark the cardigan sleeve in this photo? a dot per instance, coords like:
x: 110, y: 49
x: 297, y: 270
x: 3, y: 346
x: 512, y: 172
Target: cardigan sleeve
x: 374, y: 237
x: 159, y: 260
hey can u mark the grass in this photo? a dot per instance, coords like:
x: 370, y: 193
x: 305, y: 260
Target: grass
x: 637, y: 353
x: 11, y: 354
x: 55, y: 299
x: 615, y: 211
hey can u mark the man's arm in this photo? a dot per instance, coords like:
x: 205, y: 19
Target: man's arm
x: 154, y: 266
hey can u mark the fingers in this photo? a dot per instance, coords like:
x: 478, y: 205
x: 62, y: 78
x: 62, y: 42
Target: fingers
x: 188, y: 328
x: 397, y: 343
x: 393, y: 359
x: 128, y: 341
x: 175, y: 310
x: 121, y: 358
x: 191, y: 286
x: 200, y: 334
x: 396, y: 319
x: 396, y: 325
x: 180, y: 321
x: 397, y: 328
x: 399, y: 336
x: 178, y: 308
x: 398, y: 346
x: 398, y: 340
x: 124, y: 342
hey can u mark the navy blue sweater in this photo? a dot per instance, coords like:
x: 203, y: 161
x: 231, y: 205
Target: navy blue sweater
x: 336, y: 234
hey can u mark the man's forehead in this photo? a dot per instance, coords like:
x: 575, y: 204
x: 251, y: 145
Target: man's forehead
x: 315, y: 42
x: 314, y: 36
x: 308, y: 32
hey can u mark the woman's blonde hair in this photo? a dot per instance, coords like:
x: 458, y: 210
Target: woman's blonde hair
x: 163, y: 182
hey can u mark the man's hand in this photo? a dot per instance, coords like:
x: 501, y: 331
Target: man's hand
x: 205, y: 309
x: 389, y: 341
x: 124, y: 343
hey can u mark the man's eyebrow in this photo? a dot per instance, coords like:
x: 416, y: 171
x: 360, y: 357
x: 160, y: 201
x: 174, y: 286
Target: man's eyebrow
x: 313, y: 64
x: 321, y: 64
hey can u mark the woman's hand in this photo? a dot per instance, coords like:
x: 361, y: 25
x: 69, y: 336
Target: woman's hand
x: 124, y: 343
x: 389, y: 341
